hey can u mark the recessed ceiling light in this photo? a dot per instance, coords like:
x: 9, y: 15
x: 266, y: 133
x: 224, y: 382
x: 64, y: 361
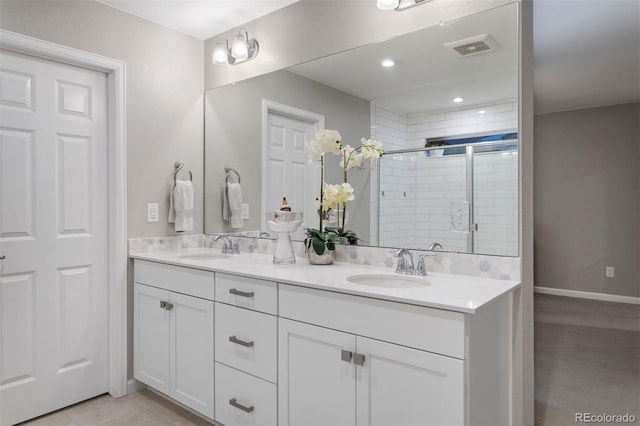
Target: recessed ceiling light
x: 388, y: 63
x: 482, y: 111
x: 458, y: 99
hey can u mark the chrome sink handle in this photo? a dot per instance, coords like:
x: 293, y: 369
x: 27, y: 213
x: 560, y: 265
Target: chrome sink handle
x: 421, y: 269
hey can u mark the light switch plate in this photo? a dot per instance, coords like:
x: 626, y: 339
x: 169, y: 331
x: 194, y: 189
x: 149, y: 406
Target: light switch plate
x: 153, y: 212
x: 244, y: 211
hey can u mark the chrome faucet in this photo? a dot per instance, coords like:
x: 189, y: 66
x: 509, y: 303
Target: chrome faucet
x: 407, y: 268
x: 434, y: 246
x: 229, y: 245
x: 403, y: 267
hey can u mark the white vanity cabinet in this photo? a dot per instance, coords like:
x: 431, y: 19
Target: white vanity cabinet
x: 364, y: 381
x: 246, y: 351
x: 349, y: 360
x: 173, y: 333
x: 293, y: 355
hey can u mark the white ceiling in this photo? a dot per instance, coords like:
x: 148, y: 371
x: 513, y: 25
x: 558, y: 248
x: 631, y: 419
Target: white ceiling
x: 586, y: 52
x: 427, y: 76
x: 202, y: 19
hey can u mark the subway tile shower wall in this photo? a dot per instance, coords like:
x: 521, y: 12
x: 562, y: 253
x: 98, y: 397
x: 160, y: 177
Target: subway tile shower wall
x: 415, y: 210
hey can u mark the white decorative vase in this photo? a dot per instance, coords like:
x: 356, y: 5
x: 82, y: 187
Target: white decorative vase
x: 284, y: 223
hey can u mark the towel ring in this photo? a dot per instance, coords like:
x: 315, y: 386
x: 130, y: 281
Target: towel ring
x: 228, y: 171
x: 178, y: 166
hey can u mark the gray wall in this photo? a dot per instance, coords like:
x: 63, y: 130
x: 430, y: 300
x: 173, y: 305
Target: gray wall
x: 587, y: 198
x: 233, y: 134
x: 164, y: 99
x: 164, y: 93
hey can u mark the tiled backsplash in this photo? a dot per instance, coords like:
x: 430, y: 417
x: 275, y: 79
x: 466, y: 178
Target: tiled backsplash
x: 498, y: 267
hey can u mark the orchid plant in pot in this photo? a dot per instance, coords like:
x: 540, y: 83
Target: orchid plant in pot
x: 320, y: 243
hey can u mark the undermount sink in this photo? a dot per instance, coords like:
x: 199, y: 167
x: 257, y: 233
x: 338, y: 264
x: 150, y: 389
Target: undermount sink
x: 388, y: 280
x: 204, y: 256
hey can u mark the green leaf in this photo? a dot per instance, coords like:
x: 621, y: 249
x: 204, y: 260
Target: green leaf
x: 318, y: 246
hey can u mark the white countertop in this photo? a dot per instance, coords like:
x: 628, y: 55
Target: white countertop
x: 459, y: 293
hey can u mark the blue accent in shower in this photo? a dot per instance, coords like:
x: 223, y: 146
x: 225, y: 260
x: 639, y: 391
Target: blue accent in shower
x: 448, y: 143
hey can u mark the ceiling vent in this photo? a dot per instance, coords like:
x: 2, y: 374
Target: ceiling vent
x: 482, y: 43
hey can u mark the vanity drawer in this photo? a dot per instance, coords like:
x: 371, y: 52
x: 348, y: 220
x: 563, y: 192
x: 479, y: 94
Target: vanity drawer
x: 242, y: 399
x: 250, y: 293
x: 246, y: 340
x: 419, y: 327
x: 193, y: 282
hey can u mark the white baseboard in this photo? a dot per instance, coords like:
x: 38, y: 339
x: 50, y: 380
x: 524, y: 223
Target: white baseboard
x: 588, y: 295
x: 134, y: 386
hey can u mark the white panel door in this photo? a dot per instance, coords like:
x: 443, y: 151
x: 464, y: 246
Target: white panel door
x: 288, y: 172
x: 53, y: 232
x: 316, y: 386
x: 191, y: 356
x: 399, y: 386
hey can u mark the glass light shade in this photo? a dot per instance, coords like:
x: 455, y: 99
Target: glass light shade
x: 388, y: 4
x: 239, y: 48
x: 219, y: 53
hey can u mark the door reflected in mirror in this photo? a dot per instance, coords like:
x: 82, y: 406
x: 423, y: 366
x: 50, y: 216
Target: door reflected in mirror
x: 449, y: 174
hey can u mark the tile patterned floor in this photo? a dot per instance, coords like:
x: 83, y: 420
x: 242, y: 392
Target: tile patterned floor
x: 587, y: 359
x: 138, y: 409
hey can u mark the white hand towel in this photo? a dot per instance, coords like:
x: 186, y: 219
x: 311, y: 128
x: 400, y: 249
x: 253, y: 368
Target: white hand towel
x: 172, y: 209
x: 183, y: 203
x: 235, y: 204
x: 226, y: 213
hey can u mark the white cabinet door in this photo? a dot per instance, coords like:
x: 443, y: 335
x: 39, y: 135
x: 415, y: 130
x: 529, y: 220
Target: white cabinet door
x: 398, y: 386
x: 173, y: 345
x: 315, y: 385
x: 151, y: 337
x: 191, y: 358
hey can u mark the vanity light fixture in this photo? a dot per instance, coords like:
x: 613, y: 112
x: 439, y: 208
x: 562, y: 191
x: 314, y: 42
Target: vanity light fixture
x: 387, y: 63
x: 242, y: 49
x: 399, y: 4
x: 458, y: 99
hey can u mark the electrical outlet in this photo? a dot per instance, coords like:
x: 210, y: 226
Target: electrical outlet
x: 244, y: 211
x: 609, y: 272
x: 153, y: 212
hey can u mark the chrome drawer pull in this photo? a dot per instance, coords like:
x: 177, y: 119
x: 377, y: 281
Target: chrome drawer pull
x: 346, y: 355
x: 234, y: 339
x: 233, y: 402
x: 358, y: 359
x: 241, y: 293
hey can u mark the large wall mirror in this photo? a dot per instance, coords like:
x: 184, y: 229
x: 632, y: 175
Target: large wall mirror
x: 449, y: 174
